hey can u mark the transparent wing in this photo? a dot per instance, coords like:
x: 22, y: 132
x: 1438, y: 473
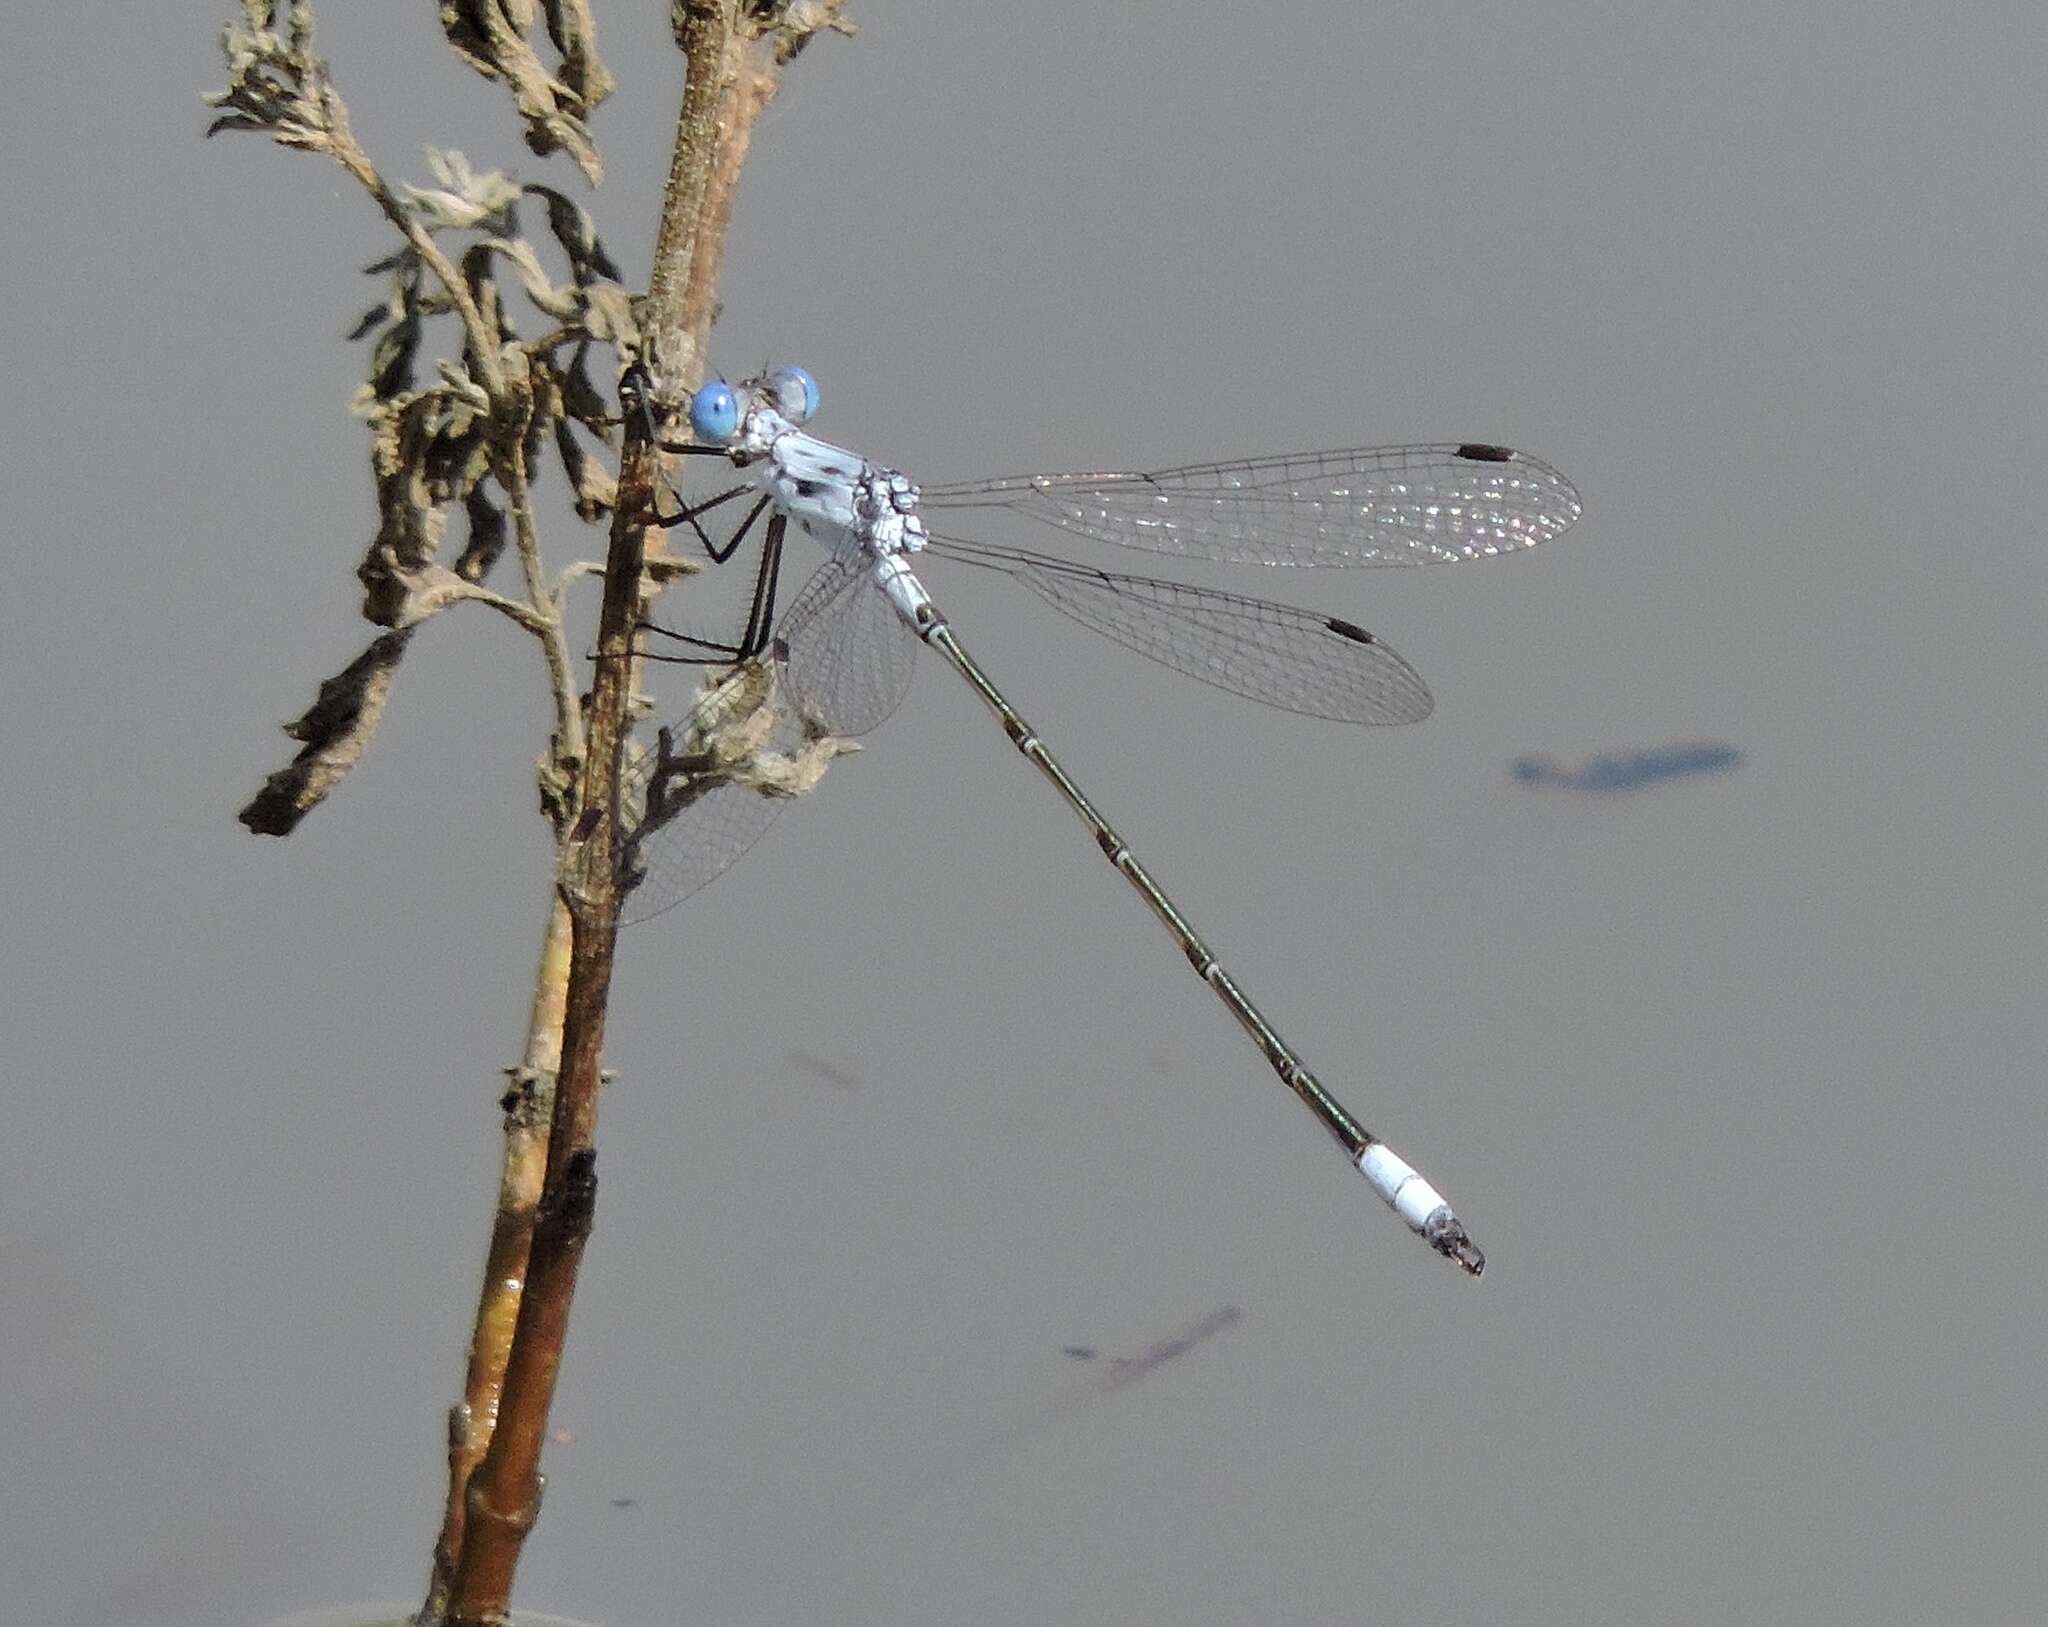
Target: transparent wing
x: 1388, y: 505
x: 848, y: 655
x: 687, y: 820
x: 1294, y: 659
x: 698, y: 847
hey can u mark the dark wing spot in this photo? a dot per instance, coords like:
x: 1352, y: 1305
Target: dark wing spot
x: 1345, y: 629
x: 1479, y: 452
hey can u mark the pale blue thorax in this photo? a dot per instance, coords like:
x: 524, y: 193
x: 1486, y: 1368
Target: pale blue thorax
x: 851, y: 506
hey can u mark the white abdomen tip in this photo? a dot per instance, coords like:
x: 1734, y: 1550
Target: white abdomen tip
x: 1395, y: 1180
x: 1419, y: 1204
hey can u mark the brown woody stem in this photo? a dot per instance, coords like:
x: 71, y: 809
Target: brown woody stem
x: 735, y: 56
x: 528, y: 1105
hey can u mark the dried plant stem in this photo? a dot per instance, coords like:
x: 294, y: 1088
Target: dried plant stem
x: 713, y: 133
x: 554, y: 644
x: 735, y: 56
x: 528, y: 1104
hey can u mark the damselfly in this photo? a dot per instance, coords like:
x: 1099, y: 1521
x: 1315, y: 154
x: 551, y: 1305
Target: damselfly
x: 845, y: 648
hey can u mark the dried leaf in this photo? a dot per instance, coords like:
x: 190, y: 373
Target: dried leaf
x: 487, y: 534
x: 579, y: 396
x: 369, y: 322
x: 793, y: 22
x: 490, y: 35
x: 336, y: 730
x: 387, y: 577
x: 564, y: 304
x: 411, y: 597
x: 575, y: 37
x: 577, y: 233
x: 277, y: 83
x: 465, y: 199
x: 391, y: 363
x: 596, y: 488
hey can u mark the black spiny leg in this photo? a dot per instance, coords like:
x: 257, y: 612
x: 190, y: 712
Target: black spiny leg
x: 760, y: 618
x: 688, y: 516
x: 636, y: 384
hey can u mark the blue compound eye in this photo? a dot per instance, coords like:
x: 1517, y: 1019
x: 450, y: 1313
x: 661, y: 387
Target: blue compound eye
x: 715, y: 414
x: 795, y: 394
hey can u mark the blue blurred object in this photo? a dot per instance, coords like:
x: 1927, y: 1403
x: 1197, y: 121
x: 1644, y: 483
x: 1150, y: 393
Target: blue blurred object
x: 1616, y: 772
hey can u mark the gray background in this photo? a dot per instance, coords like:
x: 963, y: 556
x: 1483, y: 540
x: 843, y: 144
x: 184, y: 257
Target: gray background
x: 1737, y: 1080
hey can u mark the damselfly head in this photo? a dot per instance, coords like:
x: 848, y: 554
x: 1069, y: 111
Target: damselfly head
x: 720, y: 413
